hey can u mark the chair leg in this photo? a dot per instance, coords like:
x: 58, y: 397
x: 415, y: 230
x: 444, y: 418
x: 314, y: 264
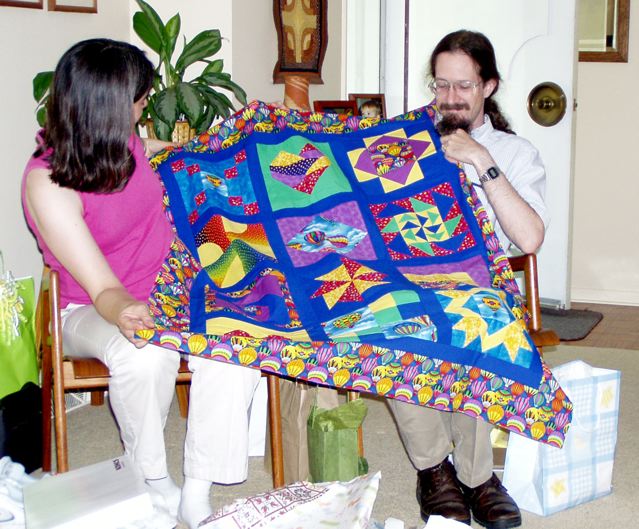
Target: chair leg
x: 97, y: 397
x: 353, y: 395
x: 182, y: 392
x: 275, y: 426
x: 46, y: 413
x: 60, y: 422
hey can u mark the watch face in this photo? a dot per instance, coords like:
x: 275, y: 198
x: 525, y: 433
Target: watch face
x: 490, y: 174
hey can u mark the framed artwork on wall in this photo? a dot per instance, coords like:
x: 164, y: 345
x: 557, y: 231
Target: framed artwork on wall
x: 348, y: 107
x: 34, y: 4
x: 369, y: 105
x: 302, y: 36
x: 74, y: 6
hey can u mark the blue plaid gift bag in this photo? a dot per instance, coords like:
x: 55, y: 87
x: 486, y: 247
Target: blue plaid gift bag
x: 544, y: 479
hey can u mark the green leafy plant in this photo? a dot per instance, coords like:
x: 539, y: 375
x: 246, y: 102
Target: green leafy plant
x: 197, y: 101
x: 172, y: 98
x: 41, y: 84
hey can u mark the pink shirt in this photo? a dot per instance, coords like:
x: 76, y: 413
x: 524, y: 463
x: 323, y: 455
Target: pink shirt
x: 129, y: 227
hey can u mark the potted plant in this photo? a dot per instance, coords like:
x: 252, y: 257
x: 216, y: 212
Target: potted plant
x: 195, y: 103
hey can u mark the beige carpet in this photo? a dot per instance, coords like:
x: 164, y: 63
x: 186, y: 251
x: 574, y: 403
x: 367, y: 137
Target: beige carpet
x: 93, y: 437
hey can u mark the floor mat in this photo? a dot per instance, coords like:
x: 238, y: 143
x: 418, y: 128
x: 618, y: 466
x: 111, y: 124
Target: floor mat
x: 570, y: 324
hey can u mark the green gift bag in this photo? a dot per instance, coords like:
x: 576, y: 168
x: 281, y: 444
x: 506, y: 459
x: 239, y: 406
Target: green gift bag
x: 18, y: 362
x: 332, y: 442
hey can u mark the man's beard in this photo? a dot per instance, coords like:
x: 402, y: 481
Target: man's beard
x: 449, y: 123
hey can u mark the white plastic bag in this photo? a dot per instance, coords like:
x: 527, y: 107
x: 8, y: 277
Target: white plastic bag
x: 335, y: 504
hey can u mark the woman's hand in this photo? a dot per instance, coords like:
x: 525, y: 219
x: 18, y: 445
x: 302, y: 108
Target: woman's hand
x: 151, y: 146
x: 135, y: 317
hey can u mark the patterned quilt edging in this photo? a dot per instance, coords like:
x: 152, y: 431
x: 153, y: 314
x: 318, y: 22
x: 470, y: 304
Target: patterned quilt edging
x: 542, y: 413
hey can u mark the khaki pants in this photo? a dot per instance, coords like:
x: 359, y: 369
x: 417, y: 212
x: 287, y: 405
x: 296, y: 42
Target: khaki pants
x: 429, y: 436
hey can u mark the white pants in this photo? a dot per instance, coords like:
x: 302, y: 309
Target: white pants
x: 216, y: 446
x: 430, y: 436
x: 141, y: 389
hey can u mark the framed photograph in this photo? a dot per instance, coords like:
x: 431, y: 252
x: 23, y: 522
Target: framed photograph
x: 74, y: 6
x: 369, y: 105
x: 336, y: 107
x: 34, y: 4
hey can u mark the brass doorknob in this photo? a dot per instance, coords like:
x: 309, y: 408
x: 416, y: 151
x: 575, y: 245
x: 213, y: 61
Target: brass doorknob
x: 547, y: 104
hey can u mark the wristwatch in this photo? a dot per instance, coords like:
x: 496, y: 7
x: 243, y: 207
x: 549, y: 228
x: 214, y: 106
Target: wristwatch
x: 490, y: 174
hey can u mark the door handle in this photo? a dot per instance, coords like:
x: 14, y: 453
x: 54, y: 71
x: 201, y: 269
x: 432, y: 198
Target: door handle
x: 547, y: 104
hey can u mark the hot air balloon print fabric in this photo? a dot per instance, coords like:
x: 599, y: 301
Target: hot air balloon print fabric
x: 348, y: 252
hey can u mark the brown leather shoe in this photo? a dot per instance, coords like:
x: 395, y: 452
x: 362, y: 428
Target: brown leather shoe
x: 491, y: 505
x: 438, y: 493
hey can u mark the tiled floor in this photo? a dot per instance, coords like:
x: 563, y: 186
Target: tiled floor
x: 619, y: 328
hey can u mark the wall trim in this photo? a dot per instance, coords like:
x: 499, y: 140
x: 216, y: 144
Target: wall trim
x: 607, y: 297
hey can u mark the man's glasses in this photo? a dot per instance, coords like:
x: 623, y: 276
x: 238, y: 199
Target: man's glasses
x: 442, y: 86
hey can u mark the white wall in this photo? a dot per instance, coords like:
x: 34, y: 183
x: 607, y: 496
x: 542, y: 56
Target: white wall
x: 605, y: 250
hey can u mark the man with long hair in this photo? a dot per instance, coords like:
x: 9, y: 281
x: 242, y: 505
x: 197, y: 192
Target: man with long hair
x: 510, y: 180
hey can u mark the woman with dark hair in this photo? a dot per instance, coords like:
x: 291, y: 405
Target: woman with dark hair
x: 95, y: 207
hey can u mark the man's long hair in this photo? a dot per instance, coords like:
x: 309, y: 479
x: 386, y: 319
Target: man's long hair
x: 90, y: 114
x: 477, y: 46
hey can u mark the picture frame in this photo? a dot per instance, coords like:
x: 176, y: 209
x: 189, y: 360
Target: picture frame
x: 33, y: 4
x: 604, y: 27
x: 347, y: 107
x: 376, y: 102
x: 73, y: 6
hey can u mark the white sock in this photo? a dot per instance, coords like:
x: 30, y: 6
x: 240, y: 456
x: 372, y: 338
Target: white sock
x: 195, y: 504
x: 167, y: 488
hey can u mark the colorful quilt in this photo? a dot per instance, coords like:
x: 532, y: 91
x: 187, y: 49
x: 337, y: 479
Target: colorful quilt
x: 349, y: 253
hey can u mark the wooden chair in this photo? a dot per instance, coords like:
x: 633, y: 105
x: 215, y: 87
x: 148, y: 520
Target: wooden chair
x: 527, y: 264
x: 61, y: 374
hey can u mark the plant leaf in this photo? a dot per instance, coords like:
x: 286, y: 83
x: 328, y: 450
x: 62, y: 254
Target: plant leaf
x: 223, y: 80
x: 163, y: 130
x: 215, y: 66
x: 203, y: 45
x: 219, y: 100
x: 171, y: 32
x: 41, y: 116
x: 148, y: 26
x: 165, y: 106
x: 190, y: 101
x: 41, y: 84
x: 204, y: 123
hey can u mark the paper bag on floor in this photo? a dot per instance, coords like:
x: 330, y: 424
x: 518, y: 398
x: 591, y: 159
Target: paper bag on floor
x: 332, y: 442
x: 544, y: 479
x: 296, y: 399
